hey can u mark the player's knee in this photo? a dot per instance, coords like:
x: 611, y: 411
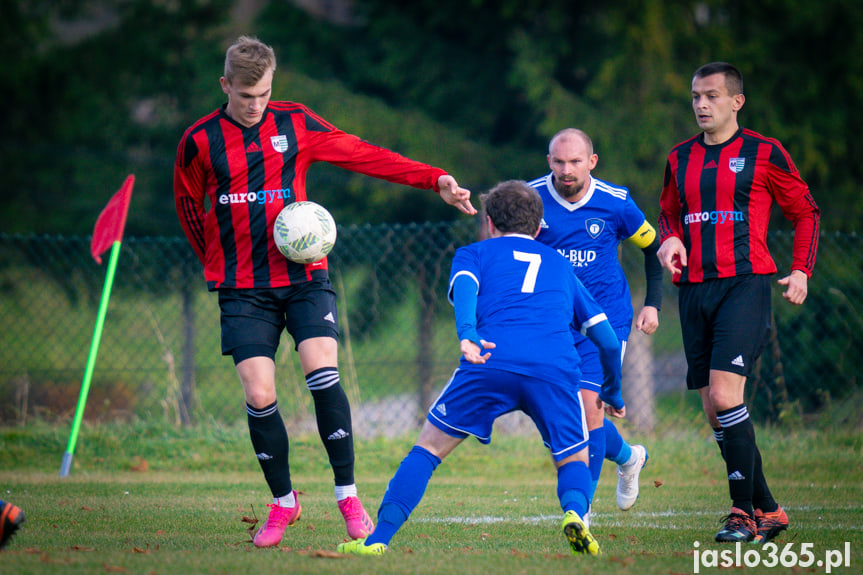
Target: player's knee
x: 259, y: 396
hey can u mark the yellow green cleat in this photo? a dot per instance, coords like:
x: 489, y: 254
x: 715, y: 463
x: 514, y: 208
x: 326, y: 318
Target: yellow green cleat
x: 359, y: 547
x: 581, y: 542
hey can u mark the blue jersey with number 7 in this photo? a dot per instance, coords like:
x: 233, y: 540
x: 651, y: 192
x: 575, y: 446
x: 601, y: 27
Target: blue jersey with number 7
x: 528, y: 296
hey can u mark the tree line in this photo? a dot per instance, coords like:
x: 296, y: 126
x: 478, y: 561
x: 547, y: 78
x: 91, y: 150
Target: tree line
x: 97, y: 90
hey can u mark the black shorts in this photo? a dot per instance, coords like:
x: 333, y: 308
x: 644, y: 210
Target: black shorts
x: 725, y: 325
x: 253, y: 319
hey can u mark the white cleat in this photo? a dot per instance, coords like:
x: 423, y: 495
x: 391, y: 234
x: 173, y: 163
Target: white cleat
x: 627, y: 477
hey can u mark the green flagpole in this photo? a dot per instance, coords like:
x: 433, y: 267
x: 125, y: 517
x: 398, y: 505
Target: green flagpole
x: 66, y: 465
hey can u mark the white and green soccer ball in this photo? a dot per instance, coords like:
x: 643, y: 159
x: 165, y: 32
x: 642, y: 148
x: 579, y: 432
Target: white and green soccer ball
x: 304, y: 232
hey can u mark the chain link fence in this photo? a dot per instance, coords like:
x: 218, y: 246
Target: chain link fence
x: 160, y: 354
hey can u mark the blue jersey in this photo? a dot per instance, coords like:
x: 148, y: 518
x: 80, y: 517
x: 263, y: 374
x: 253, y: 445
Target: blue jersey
x: 587, y: 234
x: 527, y: 300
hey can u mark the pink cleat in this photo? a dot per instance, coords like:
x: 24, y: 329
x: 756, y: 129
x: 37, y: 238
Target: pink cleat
x: 357, y: 521
x: 280, y: 518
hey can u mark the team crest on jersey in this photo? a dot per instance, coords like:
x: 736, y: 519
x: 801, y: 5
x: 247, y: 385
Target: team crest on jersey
x: 594, y: 227
x: 736, y: 165
x: 280, y: 143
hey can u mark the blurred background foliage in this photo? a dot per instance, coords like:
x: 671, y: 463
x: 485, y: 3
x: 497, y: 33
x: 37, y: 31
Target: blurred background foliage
x: 95, y: 90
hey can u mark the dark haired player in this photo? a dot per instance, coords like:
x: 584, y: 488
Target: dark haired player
x: 715, y: 209
x: 515, y: 301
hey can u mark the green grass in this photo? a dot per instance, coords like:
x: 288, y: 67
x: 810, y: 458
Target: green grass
x: 488, y: 509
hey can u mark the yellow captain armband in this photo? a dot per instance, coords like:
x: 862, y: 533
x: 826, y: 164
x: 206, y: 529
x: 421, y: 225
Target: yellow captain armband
x: 644, y: 236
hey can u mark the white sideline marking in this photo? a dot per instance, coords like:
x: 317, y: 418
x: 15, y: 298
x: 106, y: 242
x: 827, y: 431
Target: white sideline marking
x: 635, y: 519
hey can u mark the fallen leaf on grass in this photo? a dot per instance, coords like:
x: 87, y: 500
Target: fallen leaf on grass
x: 252, y: 521
x: 142, y: 465
x: 326, y: 554
x: 658, y: 483
x: 81, y: 548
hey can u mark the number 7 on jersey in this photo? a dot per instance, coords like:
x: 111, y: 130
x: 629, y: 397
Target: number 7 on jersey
x: 533, y: 262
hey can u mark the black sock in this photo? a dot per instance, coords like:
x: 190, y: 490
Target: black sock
x: 761, y: 497
x: 739, y: 449
x: 270, y: 440
x: 333, y: 414
x: 720, y: 440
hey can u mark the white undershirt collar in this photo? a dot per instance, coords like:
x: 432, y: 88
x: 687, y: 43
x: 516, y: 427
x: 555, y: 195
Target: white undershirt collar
x: 566, y: 204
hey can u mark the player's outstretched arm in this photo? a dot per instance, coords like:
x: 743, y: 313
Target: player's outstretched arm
x: 454, y: 195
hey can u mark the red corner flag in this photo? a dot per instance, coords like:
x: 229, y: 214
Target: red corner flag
x: 112, y: 220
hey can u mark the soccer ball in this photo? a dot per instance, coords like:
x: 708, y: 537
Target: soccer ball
x: 304, y: 232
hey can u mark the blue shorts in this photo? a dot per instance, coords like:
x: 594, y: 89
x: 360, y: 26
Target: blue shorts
x: 475, y: 397
x: 253, y: 319
x: 591, y: 367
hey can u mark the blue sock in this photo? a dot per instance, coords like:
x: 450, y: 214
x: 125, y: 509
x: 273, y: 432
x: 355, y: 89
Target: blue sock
x: 573, y: 487
x: 404, y: 493
x: 616, y: 449
x: 596, y: 451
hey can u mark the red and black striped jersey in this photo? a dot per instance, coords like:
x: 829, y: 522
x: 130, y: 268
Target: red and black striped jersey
x: 230, y: 183
x: 717, y: 200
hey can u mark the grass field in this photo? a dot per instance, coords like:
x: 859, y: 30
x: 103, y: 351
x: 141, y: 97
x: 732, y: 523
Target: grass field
x: 157, y: 500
